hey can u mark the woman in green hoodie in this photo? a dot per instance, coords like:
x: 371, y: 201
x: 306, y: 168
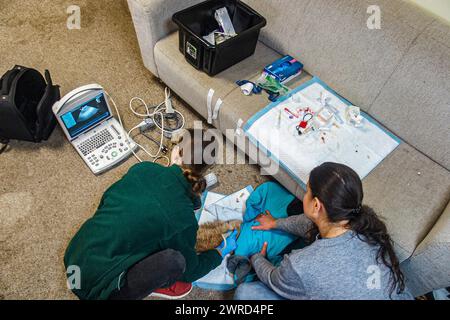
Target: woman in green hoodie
x: 143, y: 234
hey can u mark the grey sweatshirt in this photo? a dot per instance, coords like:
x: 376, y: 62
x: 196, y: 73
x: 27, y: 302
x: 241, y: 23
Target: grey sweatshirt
x: 341, y: 268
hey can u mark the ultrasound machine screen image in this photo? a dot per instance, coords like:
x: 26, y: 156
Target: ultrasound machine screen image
x: 86, y: 115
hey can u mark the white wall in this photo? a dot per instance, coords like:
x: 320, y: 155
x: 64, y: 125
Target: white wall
x: 438, y: 7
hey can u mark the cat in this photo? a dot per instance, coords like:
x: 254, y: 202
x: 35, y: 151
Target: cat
x: 211, y: 234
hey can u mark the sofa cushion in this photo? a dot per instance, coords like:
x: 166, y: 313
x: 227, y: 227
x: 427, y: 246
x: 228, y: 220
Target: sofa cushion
x: 431, y: 259
x: 193, y: 85
x: 415, y: 102
x: 333, y: 41
x: 411, y: 192
x: 408, y: 189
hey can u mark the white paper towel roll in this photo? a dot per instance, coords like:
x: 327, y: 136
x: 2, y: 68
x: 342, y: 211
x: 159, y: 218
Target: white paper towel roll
x: 247, y: 88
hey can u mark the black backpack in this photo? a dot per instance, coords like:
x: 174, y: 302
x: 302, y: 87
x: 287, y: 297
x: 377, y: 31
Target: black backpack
x: 26, y: 101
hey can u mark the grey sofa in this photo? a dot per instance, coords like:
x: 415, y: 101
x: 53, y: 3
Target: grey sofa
x: 399, y: 74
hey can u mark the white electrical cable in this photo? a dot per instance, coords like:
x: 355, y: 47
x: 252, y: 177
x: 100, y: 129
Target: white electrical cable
x: 157, y: 111
x: 122, y: 127
x: 143, y: 103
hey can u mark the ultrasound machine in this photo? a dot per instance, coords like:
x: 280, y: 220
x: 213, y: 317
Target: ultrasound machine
x: 87, y: 121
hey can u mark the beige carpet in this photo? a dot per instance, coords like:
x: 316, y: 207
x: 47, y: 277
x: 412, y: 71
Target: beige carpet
x: 46, y: 191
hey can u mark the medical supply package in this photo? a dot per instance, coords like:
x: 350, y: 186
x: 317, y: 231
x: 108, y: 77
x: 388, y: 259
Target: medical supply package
x: 284, y: 69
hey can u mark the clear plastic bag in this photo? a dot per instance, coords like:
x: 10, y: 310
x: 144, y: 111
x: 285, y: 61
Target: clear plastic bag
x: 224, y: 21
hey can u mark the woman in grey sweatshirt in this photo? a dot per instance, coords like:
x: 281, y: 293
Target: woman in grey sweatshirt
x: 351, y: 255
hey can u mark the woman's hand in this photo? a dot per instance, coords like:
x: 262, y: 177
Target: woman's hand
x: 266, y: 222
x: 263, y: 251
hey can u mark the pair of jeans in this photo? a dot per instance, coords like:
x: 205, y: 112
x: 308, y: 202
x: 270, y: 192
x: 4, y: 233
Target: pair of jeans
x: 160, y: 270
x: 255, y: 291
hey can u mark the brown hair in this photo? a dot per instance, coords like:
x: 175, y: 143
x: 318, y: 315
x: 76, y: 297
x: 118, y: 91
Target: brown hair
x: 194, y: 163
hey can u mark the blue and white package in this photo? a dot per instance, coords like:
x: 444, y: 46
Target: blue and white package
x: 285, y: 69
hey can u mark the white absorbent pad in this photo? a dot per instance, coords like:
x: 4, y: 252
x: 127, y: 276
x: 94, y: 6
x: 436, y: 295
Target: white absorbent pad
x: 228, y: 208
x: 219, y: 279
x: 221, y: 207
x: 273, y: 130
x: 208, y: 198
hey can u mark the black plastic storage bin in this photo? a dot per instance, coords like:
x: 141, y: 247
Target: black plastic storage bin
x: 198, y: 21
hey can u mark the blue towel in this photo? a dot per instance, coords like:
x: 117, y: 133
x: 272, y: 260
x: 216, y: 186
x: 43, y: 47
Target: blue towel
x: 273, y: 197
x: 268, y: 196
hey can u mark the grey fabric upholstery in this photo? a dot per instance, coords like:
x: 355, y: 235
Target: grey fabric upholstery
x: 431, y: 259
x: 152, y: 21
x: 415, y: 102
x: 332, y: 39
x: 410, y: 191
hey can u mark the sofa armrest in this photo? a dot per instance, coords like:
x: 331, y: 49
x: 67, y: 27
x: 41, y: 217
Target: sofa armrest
x: 152, y: 21
x: 429, y: 267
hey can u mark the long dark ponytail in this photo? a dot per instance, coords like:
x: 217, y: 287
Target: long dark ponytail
x: 340, y: 189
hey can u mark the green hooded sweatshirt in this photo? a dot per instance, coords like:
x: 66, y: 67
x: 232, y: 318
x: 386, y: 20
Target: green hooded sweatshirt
x: 149, y: 210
